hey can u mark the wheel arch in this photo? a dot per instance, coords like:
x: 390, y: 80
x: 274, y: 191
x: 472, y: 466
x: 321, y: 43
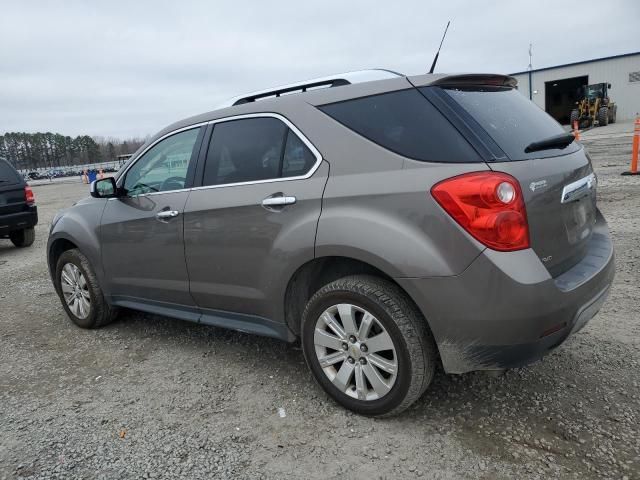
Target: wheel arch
x: 316, y: 273
x: 56, y: 248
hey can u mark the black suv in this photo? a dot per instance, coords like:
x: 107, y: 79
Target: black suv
x: 18, y: 211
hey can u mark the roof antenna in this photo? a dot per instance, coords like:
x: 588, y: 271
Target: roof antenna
x: 435, y: 59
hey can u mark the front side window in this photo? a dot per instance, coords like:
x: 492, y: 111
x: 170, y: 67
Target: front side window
x: 254, y: 149
x: 164, y: 166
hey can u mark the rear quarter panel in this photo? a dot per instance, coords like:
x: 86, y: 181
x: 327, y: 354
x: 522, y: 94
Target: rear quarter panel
x: 390, y: 220
x: 377, y: 206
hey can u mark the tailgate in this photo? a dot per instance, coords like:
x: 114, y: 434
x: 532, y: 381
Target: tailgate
x: 556, y: 178
x: 12, y: 199
x: 560, y: 198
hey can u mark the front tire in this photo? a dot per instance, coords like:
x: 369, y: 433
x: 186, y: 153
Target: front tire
x: 367, y: 345
x: 80, y: 292
x: 23, y: 238
x: 573, y: 118
x: 603, y: 116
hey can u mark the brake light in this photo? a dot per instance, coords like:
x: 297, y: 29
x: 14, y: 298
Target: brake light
x: 488, y: 205
x: 28, y: 196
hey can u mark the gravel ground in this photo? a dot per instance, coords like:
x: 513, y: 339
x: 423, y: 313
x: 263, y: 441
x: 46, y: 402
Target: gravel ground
x: 151, y: 397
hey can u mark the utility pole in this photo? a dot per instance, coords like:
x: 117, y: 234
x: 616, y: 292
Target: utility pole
x: 530, y: 72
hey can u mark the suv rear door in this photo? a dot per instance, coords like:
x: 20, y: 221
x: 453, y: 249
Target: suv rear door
x: 254, y: 216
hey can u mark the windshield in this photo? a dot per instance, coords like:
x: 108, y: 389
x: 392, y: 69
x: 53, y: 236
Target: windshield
x: 512, y: 120
x: 593, y: 91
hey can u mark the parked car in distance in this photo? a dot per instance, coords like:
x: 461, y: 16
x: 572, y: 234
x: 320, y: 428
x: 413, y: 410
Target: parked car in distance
x: 18, y: 211
x: 390, y: 223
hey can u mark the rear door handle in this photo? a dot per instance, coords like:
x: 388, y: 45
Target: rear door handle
x: 167, y: 214
x: 278, y: 201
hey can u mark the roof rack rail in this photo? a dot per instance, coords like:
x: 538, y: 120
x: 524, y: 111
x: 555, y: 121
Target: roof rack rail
x: 337, y: 82
x: 327, y: 82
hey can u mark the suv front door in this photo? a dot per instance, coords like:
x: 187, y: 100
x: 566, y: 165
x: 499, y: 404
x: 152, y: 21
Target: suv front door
x: 142, y: 231
x: 252, y: 220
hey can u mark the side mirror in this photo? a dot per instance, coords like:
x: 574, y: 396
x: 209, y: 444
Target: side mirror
x: 608, y: 85
x: 104, y: 188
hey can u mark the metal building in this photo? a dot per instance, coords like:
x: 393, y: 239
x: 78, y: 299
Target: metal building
x: 555, y: 89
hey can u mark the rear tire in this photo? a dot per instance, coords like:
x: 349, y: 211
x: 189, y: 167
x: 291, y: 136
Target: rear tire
x: 405, y: 362
x: 80, y: 292
x: 23, y: 238
x: 603, y: 116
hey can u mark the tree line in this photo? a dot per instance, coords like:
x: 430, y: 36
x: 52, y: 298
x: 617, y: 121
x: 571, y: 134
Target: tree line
x: 26, y: 151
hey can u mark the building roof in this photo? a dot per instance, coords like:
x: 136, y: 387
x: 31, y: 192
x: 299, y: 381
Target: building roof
x: 578, y: 63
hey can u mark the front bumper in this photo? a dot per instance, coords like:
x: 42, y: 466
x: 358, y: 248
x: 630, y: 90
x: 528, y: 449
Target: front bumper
x: 18, y: 221
x: 505, y: 310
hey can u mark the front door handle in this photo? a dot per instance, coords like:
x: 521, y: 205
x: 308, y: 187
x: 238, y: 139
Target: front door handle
x: 167, y: 214
x: 279, y: 201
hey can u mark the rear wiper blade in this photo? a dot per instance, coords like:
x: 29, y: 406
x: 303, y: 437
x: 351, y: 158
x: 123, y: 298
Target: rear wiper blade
x: 557, y: 141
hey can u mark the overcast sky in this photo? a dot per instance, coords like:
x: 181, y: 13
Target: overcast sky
x: 128, y: 68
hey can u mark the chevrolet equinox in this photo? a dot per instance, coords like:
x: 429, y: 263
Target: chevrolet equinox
x: 391, y: 223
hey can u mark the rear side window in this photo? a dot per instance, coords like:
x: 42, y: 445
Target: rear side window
x: 406, y: 123
x: 511, y: 120
x: 255, y: 149
x: 8, y: 176
x: 297, y: 159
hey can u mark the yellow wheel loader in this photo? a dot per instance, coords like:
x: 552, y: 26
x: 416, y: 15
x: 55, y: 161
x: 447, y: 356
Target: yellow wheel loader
x: 594, y: 108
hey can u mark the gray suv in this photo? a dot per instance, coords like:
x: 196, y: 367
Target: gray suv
x: 390, y: 223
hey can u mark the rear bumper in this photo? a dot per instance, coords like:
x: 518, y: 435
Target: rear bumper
x: 18, y: 221
x: 506, y: 311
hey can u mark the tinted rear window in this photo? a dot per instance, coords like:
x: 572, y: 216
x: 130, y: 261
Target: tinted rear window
x: 406, y: 123
x: 8, y: 175
x: 512, y: 120
x: 297, y: 159
x: 245, y: 150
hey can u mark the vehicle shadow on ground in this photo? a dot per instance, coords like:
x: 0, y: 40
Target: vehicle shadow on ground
x: 447, y: 397
x: 7, y: 248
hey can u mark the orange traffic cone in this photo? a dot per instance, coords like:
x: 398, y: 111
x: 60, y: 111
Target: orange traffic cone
x: 634, y: 149
x: 576, y: 132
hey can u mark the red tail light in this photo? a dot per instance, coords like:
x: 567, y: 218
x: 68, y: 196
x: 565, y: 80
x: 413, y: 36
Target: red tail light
x: 488, y: 205
x: 28, y: 196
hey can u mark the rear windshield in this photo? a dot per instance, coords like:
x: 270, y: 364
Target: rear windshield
x: 406, y: 123
x: 511, y: 120
x: 8, y: 176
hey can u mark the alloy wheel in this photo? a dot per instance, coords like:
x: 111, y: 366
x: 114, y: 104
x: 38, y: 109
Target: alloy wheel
x: 75, y: 290
x: 355, y: 352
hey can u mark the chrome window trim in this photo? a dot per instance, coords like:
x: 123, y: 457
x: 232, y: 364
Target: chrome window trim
x: 316, y: 153
x: 123, y: 176
x: 293, y: 128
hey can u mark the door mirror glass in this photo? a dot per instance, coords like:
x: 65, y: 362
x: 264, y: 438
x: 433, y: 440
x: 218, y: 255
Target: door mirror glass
x: 103, y: 188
